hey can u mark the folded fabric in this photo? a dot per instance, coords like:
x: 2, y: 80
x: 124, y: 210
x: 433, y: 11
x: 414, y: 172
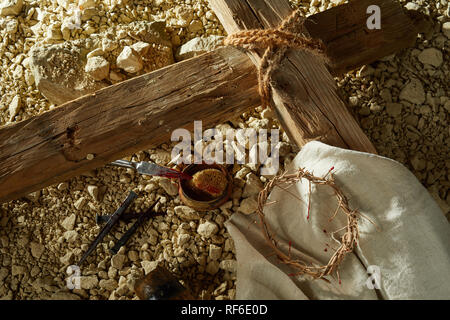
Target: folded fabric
x: 403, y: 251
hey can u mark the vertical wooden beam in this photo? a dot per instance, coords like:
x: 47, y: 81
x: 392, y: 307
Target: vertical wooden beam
x: 305, y: 94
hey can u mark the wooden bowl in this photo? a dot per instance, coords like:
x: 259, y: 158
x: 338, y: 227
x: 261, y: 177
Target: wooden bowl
x: 201, y: 202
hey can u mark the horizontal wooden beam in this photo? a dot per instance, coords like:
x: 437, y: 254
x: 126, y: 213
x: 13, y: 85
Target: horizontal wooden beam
x: 142, y: 112
x: 124, y: 118
x: 349, y: 42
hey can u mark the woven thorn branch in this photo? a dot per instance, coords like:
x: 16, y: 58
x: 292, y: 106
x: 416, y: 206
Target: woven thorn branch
x: 348, y: 240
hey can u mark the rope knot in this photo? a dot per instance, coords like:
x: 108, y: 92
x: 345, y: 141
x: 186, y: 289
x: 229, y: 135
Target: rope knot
x: 276, y: 41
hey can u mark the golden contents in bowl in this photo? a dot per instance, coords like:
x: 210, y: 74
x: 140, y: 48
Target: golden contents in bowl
x: 210, y: 181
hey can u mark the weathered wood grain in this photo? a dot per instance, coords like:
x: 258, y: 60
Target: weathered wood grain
x: 304, y: 93
x: 124, y: 118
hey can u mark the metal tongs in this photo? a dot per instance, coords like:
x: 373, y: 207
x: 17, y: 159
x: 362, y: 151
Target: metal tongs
x: 151, y: 169
x: 113, y: 219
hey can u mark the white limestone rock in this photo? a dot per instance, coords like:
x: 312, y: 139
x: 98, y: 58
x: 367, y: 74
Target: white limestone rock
x: 129, y: 60
x: 149, y: 266
x: 93, y: 192
x: 70, y: 236
x: 69, y: 222
x: 118, y: 260
x: 141, y: 47
x: 168, y: 186
x: 14, y: 107
x: 207, y: 229
x: 59, y: 71
x: 198, y: 46
x: 10, y: 7
x: 79, y: 204
x: 446, y: 29
x: 186, y: 213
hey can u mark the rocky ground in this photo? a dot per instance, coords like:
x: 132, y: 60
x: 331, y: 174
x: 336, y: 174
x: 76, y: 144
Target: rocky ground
x: 402, y: 103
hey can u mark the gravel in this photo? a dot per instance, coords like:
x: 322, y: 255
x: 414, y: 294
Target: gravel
x: 401, y: 102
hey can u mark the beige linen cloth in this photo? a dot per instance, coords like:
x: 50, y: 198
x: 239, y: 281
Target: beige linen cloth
x: 411, y: 249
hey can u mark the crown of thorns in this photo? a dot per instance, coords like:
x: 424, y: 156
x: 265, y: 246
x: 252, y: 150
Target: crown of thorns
x: 348, y: 240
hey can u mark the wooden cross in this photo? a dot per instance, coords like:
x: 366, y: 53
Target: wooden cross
x: 142, y: 112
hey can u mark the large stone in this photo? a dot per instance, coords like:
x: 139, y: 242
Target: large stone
x: 3, y: 274
x: 149, y: 266
x: 195, y: 26
x: 184, y: 15
x: 207, y: 229
x: 59, y: 72
x: 141, y: 47
x: 198, y: 46
x: 118, y: 261
x: 183, y: 239
x: 160, y: 156
x: 413, y: 92
x: 34, y: 196
x: 418, y: 162
x: 229, y: 265
x: 150, y: 32
x: 97, y: 68
x: 67, y: 258
x: 412, y: 6
x: 69, y: 222
x: 431, y: 56
x: 10, y: 7
x: 63, y: 186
